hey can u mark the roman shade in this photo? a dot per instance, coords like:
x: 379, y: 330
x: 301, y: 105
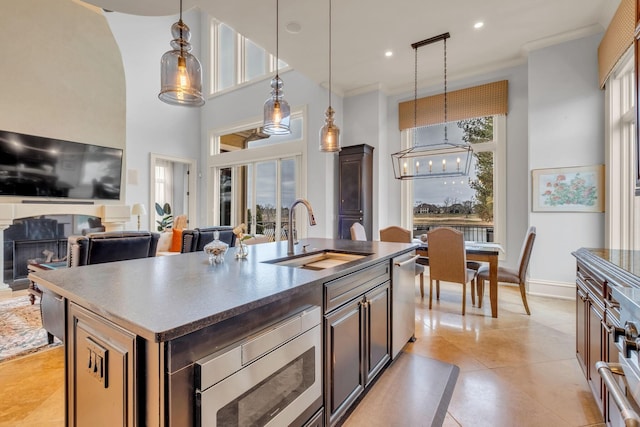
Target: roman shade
x: 476, y: 101
x: 617, y: 39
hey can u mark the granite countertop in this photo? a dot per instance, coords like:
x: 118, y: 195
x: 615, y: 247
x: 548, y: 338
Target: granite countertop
x: 617, y: 267
x: 163, y: 298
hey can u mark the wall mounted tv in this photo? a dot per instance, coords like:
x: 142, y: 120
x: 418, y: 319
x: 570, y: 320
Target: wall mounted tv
x: 34, y: 166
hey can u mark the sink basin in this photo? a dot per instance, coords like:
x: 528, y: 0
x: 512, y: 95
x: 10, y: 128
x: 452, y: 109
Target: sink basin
x: 318, y: 260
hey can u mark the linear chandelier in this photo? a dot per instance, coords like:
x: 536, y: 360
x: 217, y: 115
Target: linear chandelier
x: 433, y: 159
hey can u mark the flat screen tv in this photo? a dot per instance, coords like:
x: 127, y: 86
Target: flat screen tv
x: 34, y: 166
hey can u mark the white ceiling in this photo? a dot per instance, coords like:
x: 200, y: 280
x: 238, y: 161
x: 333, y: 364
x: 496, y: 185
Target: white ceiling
x: 362, y: 30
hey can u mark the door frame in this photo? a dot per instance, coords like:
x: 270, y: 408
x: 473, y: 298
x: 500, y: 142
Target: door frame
x: 192, y: 187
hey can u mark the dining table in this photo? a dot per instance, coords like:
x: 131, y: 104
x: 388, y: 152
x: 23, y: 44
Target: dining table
x: 482, y: 252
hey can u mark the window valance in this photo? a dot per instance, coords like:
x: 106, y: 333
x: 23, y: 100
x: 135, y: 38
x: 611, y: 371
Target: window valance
x: 477, y: 101
x: 617, y: 39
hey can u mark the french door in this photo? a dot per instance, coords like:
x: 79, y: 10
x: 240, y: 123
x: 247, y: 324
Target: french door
x: 258, y: 194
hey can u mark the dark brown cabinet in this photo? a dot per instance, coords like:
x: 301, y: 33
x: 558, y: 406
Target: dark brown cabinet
x: 357, y: 336
x: 597, y: 318
x: 355, y: 189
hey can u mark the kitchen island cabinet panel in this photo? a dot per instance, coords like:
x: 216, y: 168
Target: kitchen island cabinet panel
x: 377, y: 341
x: 343, y: 349
x: 102, y: 379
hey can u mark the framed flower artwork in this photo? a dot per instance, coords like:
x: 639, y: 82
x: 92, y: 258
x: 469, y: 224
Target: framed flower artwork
x: 572, y: 189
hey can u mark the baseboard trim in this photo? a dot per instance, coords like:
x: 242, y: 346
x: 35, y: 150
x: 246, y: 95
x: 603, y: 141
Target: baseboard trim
x: 548, y: 288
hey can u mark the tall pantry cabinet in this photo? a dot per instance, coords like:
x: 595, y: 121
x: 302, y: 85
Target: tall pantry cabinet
x: 355, y: 185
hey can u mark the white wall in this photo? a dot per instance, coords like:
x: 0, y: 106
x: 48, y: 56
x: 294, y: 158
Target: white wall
x: 566, y: 128
x: 152, y: 126
x: 62, y: 74
x: 365, y: 123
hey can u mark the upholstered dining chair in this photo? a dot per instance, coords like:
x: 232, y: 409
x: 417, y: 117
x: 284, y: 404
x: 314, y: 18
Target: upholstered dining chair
x: 358, y: 232
x: 508, y: 275
x: 448, y: 262
x: 394, y: 233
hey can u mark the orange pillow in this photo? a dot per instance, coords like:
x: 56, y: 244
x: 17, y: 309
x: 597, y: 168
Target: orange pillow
x: 176, y: 241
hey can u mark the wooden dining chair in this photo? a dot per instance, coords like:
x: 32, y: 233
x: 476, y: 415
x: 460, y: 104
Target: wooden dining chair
x: 394, y: 233
x: 448, y: 262
x: 509, y: 275
x: 358, y: 232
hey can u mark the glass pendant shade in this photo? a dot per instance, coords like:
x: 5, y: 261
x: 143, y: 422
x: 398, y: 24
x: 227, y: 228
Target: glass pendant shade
x: 277, y: 113
x: 329, y: 134
x: 180, y: 71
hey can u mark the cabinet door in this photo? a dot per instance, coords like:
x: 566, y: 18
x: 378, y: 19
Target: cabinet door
x: 343, y: 350
x: 595, y: 340
x: 101, y: 389
x: 582, y: 305
x: 377, y: 337
x: 351, y: 185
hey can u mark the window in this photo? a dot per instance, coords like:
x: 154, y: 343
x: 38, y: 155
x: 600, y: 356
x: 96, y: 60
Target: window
x: 257, y: 181
x: 621, y: 230
x: 236, y: 59
x: 473, y: 204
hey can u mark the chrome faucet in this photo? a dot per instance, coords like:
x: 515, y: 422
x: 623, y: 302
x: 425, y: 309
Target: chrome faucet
x: 292, y: 231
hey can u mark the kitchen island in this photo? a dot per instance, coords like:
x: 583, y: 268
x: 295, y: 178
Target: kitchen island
x: 142, y: 334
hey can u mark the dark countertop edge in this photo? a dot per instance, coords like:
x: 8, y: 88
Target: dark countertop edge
x: 612, y: 273
x: 178, y: 331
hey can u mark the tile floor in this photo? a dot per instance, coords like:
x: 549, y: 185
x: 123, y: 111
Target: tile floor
x: 516, y: 370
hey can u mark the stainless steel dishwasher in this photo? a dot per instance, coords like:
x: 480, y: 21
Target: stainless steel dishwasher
x: 403, y: 310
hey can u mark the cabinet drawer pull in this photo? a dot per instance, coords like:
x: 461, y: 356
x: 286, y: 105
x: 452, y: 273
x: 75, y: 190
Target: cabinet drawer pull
x: 410, y: 260
x: 611, y: 304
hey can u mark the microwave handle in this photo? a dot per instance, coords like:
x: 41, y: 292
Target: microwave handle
x: 606, y: 371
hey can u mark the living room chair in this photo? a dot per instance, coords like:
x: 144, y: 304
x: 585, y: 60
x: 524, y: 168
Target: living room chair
x: 394, y: 233
x: 448, y: 262
x: 194, y: 240
x: 508, y: 275
x: 358, y: 232
x: 94, y: 248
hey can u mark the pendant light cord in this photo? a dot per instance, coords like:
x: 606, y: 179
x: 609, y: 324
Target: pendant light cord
x: 445, y: 91
x: 277, y: 48
x: 329, y: 53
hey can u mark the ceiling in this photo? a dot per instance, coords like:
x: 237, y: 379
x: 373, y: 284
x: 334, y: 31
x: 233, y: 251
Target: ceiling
x: 362, y: 30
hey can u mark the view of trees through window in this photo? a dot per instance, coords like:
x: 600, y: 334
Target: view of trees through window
x: 464, y: 203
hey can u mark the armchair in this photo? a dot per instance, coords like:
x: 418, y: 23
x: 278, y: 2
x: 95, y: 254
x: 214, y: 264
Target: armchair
x: 94, y: 248
x: 194, y: 240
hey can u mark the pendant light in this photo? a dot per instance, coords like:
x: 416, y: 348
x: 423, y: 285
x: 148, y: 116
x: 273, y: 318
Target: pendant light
x: 180, y: 71
x: 330, y: 133
x: 277, y: 113
x: 432, y: 160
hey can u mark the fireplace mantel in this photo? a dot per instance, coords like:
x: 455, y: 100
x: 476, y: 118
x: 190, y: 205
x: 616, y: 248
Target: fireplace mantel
x: 114, y: 217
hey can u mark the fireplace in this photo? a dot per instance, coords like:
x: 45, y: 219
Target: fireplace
x: 39, y: 239
x: 39, y: 231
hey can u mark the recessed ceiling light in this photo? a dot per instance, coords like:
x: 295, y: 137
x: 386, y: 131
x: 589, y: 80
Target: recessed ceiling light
x: 293, y: 27
x: 388, y: 54
x: 478, y: 25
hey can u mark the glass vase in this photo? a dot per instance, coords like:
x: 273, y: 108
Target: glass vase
x: 242, y: 250
x: 216, y: 249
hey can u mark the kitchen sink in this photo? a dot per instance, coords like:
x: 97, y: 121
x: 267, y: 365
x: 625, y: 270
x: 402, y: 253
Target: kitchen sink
x: 318, y: 260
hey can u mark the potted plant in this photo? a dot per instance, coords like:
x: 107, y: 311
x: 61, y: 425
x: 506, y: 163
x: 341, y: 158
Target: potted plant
x: 167, y: 218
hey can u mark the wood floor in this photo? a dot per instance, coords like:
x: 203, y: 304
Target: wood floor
x: 516, y: 370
